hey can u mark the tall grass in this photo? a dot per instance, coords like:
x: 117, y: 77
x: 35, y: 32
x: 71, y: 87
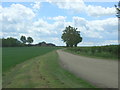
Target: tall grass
x: 110, y: 52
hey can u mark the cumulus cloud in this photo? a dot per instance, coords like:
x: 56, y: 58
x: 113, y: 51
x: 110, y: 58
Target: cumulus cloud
x: 95, y: 28
x: 15, y: 19
x: 100, y: 11
x: 42, y: 24
x: 79, y: 6
x: 58, y: 18
x: 20, y: 20
x: 79, y: 21
x: 109, y: 24
x: 42, y: 27
x: 106, y: 42
x: 17, y: 12
x: 37, y: 5
x: 76, y: 5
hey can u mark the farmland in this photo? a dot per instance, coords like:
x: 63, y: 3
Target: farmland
x: 108, y: 52
x: 12, y: 56
x: 37, y: 67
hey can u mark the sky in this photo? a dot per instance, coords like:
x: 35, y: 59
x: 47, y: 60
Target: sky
x: 45, y: 21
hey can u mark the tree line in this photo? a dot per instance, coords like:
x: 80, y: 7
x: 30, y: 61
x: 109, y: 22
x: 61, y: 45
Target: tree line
x: 70, y: 36
x: 13, y: 42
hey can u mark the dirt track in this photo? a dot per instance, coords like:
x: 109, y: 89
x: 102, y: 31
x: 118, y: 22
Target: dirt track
x: 99, y: 72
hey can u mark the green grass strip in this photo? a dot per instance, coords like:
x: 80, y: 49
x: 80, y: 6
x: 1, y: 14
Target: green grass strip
x: 42, y: 72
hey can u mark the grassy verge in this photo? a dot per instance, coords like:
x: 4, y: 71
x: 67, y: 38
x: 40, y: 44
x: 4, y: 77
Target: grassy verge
x: 12, y: 56
x: 94, y: 52
x: 42, y: 72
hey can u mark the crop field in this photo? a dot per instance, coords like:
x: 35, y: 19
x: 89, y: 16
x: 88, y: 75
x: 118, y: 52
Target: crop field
x: 108, y: 52
x: 15, y: 55
x: 42, y: 71
x: 36, y: 67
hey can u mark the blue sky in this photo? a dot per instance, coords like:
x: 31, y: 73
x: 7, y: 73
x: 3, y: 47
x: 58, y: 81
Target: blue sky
x: 45, y: 21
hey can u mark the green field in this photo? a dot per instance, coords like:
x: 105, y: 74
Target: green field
x: 42, y: 71
x: 15, y: 55
x: 106, y: 52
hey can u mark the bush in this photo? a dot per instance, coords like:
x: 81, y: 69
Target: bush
x: 110, y: 51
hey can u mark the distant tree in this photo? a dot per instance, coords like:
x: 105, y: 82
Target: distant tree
x: 23, y: 39
x: 29, y: 40
x: 71, y: 36
x: 44, y: 44
x: 10, y: 42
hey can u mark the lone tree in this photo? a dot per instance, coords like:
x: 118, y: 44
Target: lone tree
x: 23, y: 39
x: 118, y: 10
x: 29, y: 40
x: 71, y: 36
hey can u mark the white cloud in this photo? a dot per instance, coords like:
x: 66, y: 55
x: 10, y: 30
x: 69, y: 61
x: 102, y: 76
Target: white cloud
x: 47, y: 27
x: 0, y: 13
x: 106, y: 42
x: 17, y: 12
x: 86, y: 43
x: 16, y: 19
x: 76, y: 5
x: 79, y: 6
x: 100, y: 11
x: 19, y: 20
x: 40, y: 23
x: 58, y: 18
x: 95, y: 28
x: 78, y: 21
x: 109, y: 24
x: 37, y: 5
